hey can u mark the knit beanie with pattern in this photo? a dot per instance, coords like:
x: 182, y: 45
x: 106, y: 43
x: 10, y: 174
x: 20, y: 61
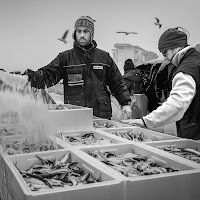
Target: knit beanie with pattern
x: 87, y: 22
x: 171, y: 39
x: 128, y: 65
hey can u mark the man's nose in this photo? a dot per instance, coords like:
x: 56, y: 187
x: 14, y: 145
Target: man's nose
x: 82, y: 33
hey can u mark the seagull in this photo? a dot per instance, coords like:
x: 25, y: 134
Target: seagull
x: 126, y: 33
x: 63, y: 38
x: 157, y: 23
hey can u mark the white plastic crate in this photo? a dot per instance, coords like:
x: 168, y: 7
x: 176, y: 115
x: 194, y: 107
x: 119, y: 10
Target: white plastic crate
x: 107, y: 124
x: 22, y: 144
x: 12, y: 129
x: 183, y: 184
x: 8, y: 120
x: 183, y: 143
x: 101, y: 137
x: 71, y: 118
x: 149, y: 135
x: 110, y: 188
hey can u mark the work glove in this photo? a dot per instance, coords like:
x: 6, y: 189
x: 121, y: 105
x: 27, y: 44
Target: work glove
x: 126, y: 112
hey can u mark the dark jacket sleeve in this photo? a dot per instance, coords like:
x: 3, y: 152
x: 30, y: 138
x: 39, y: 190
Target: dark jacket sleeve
x: 116, y: 83
x: 49, y: 75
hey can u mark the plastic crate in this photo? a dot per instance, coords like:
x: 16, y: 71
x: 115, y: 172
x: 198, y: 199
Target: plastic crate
x: 8, y: 120
x: 107, y: 124
x: 71, y: 118
x: 21, y: 144
x: 101, y: 137
x: 111, y: 187
x: 183, y: 143
x: 12, y: 129
x: 148, y: 135
x: 183, y: 184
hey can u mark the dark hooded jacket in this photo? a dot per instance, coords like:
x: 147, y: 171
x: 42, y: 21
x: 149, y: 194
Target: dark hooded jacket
x: 133, y: 81
x: 88, y: 77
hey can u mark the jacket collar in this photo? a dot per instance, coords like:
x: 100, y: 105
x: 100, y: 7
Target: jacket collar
x: 179, y: 55
x: 81, y: 49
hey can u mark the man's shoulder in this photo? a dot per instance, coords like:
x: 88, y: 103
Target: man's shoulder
x: 67, y: 52
x: 101, y: 51
x: 192, y: 56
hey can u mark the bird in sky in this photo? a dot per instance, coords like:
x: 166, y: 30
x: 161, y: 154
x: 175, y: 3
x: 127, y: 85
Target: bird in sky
x: 157, y: 23
x: 126, y: 33
x: 63, y: 38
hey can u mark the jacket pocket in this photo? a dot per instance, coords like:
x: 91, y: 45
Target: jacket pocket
x: 75, y: 80
x: 104, y: 103
x: 190, y: 130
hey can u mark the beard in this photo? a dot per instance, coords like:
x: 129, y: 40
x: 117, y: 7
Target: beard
x: 83, y: 41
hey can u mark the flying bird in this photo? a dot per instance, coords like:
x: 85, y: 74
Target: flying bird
x: 63, y: 38
x: 157, y: 23
x: 126, y: 33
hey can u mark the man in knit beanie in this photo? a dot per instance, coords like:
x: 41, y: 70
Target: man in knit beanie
x: 182, y: 106
x: 89, y: 74
x: 87, y: 22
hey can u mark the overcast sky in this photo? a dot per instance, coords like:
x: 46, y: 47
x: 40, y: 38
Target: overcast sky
x: 29, y: 29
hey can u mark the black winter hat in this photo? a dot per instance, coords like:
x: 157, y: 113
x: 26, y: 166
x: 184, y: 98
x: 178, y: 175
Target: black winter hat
x: 172, y: 38
x: 128, y: 65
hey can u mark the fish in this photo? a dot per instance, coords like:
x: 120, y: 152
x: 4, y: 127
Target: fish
x: 65, y: 158
x: 192, y: 151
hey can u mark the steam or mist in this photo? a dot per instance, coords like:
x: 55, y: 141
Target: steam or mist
x: 27, y: 109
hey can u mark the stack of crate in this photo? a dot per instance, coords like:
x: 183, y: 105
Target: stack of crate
x: 179, y: 185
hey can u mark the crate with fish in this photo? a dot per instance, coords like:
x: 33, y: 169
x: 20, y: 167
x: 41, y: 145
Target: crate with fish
x: 186, y: 149
x: 8, y: 120
x: 138, y: 134
x: 63, y: 107
x: 7, y: 116
x: 71, y: 118
x: 146, y: 169
x: 11, y: 130
x: 27, y: 143
x: 81, y: 139
x: 3, y: 190
x: 107, y: 124
x: 62, y: 174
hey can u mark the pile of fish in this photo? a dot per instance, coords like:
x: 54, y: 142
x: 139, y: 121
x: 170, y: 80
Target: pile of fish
x: 20, y: 146
x: 130, y: 135
x: 56, y: 173
x: 8, y: 120
x: 86, y: 139
x: 105, y: 125
x: 12, y: 129
x: 188, y: 153
x: 130, y: 164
